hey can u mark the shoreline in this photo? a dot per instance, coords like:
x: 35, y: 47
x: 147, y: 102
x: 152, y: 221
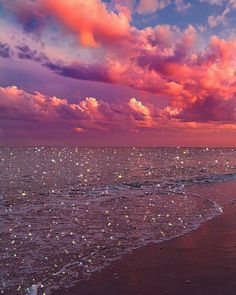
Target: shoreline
x: 201, y: 262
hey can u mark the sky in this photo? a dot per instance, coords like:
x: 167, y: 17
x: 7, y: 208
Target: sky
x: 118, y: 73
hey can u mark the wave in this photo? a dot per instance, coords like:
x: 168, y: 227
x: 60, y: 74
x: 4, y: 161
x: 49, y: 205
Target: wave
x: 151, y: 219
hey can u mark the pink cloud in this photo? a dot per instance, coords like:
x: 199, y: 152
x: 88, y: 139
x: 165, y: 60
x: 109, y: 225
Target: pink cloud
x: 88, y: 114
x: 34, y: 116
x: 197, y: 79
x: 181, y: 5
x: 93, y: 114
x: 89, y: 20
x: 143, y: 111
x: 151, y: 6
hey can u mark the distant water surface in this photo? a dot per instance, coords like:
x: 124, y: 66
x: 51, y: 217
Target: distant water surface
x: 68, y: 212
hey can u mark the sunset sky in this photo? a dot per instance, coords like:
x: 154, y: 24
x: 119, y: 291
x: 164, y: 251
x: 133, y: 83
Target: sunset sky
x: 117, y: 73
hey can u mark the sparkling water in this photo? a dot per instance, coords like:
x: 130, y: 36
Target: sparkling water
x: 68, y: 212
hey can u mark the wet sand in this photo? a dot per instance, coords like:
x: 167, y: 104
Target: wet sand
x: 202, y: 262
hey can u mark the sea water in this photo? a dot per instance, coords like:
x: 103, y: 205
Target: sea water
x: 68, y: 212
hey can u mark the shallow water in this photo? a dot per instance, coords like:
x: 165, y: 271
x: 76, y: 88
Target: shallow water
x: 67, y: 212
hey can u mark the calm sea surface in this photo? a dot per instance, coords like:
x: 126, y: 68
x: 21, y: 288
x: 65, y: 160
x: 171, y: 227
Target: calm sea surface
x: 68, y: 212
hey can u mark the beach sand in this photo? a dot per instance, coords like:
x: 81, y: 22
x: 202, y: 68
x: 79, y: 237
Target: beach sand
x: 202, y: 262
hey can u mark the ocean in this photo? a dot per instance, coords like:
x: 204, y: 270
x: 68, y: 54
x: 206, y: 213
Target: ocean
x: 66, y: 213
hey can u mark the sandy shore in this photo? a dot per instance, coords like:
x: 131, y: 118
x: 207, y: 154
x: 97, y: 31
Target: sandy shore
x: 202, y: 262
